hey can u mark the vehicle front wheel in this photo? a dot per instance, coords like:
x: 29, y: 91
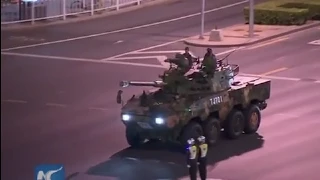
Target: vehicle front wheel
x: 252, y: 119
x: 212, y: 131
x: 133, y: 137
x: 234, y: 124
x: 192, y: 130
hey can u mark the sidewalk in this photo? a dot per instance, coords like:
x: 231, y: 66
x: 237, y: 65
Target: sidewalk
x: 237, y: 35
x: 84, y: 16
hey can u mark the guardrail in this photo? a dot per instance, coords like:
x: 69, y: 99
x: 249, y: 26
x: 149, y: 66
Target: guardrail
x: 18, y: 11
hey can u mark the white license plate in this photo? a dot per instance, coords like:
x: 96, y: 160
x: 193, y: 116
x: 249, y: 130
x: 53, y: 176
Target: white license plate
x: 144, y: 125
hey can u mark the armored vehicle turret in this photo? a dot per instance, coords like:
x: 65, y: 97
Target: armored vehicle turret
x: 190, y: 104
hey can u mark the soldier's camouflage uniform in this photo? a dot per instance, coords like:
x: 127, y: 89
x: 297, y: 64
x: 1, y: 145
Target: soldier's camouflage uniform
x: 209, y: 64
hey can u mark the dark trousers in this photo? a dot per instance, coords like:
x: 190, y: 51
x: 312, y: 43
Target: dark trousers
x: 192, y: 165
x: 203, y: 168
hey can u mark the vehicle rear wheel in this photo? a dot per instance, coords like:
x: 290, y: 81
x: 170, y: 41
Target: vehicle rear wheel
x: 192, y: 130
x: 252, y: 119
x: 234, y: 125
x: 133, y: 137
x: 212, y: 131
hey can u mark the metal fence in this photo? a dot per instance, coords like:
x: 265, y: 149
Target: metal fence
x: 18, y: 11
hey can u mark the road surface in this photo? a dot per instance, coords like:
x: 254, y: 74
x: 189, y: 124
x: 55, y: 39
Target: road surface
x: 120, y: 34
x: 58, y: 106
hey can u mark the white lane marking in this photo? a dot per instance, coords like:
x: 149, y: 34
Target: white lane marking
x: 272, y: 77
x: 229, y: 51
x: 267, y: 43
x: 56, y: 105
x: 14, y: 101
x: 145, y: 49
x: 25, y: 38
x: 50, y: 57
x: 282, y: 58
x: 120, y: 41
x: 274, y: 71
x: 140, y: 52
x: 160, y: 58
x: 134, y: 64
x: 316, y: 42
x: 158, y: 52
x: 99, y: 109
x: 140, y: 64
x: 125, y: 29
x: 133, y: 58
x: 80, y: 59
x: 131, y: 158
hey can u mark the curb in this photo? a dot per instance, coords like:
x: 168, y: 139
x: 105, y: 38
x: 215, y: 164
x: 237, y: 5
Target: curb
x: 23, y: 26
x: 304, y: 27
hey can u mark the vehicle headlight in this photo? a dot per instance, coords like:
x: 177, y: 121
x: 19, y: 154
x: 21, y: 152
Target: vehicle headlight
x: 125, y: 117
x: 159, y: 121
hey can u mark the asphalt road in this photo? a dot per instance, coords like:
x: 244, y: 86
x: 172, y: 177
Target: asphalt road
x: 63, y: 110
x: 222, y: 13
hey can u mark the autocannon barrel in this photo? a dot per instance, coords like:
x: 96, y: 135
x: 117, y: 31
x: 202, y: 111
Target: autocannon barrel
x: 141, y: 83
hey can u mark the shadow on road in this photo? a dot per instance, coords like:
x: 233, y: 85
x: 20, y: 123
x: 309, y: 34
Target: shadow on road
x: 162, y: 161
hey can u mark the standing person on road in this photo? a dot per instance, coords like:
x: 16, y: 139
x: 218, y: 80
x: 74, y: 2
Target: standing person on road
x: 202, y: 160
x: 192, y: 152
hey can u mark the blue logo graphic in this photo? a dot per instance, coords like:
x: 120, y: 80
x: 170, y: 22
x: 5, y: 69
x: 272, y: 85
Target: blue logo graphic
x: 49, y: 172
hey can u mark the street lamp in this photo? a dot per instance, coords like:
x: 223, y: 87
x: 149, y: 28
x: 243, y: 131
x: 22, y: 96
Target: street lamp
x: 251, y: 18
x: 202, y: 19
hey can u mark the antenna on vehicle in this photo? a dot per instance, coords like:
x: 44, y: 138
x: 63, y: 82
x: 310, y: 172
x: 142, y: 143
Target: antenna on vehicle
x: 226, y: 57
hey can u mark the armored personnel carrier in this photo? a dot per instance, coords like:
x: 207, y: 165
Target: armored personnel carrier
x: 185, y: 105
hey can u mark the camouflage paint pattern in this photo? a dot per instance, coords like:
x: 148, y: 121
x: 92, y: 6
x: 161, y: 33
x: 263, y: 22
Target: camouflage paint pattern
x: 178, y: 104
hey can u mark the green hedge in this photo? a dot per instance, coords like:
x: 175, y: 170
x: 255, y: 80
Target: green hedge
x: 285, y: 12
x: 312, y: 5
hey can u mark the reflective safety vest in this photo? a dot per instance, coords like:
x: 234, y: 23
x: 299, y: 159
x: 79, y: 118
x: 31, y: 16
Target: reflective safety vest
x: 193, y: 152
x: 203, y: 150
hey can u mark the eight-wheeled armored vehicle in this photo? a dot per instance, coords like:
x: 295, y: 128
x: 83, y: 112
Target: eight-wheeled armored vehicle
x: 189, y: 104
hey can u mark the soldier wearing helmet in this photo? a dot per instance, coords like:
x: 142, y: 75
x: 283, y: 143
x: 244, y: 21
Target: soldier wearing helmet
x: 189, y: 57
x: 192, y: 152
x: 202, y: 158
x: 209, y: 63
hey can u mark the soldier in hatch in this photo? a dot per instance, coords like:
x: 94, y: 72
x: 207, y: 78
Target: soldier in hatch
x: 209, y: 63
x: 189, y: 57
x: 175, y: 77
x: 182, y: 62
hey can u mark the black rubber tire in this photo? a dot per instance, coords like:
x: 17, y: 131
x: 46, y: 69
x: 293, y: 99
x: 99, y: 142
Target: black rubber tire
x: 234, y: 124
x: 250, y: 127
x: 212, y: 131
x: 192, y: 130
x: 133, y: 137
